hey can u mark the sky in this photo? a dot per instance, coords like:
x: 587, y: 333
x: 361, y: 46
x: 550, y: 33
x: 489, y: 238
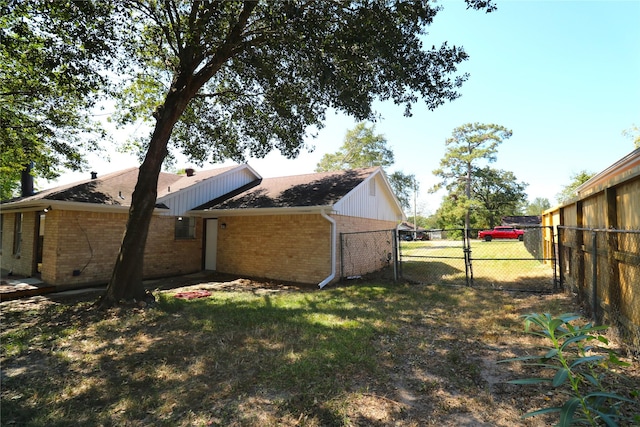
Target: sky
x: 563, y: 75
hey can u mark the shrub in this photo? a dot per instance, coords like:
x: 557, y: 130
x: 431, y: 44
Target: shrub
x: 581, y: 371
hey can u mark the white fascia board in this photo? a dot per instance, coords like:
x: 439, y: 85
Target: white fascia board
x: 300, y: 210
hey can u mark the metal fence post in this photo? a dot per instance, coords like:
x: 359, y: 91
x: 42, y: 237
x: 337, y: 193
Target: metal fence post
x: 559, y: 257
x: 396, y: 254
x: 341, y: 256
x: 594, y: 276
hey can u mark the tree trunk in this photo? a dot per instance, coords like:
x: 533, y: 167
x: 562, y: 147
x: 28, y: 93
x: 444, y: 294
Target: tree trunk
x: 126, y: 278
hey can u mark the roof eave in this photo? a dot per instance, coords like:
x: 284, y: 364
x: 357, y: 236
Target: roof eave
x: 38, y: 205
x: 294, y: 210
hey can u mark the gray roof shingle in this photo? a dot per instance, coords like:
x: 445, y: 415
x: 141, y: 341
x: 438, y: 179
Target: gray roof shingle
x: 318, y: 189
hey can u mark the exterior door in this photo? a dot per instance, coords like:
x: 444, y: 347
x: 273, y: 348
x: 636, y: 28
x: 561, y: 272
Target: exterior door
x: 211, y: 245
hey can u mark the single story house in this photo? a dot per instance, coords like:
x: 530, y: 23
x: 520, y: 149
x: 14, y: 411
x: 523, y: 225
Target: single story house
x: 228, y: 219
x: 522, y: 221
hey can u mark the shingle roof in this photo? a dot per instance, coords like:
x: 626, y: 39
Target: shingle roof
x: 116, y: 188
x: 318, y: 189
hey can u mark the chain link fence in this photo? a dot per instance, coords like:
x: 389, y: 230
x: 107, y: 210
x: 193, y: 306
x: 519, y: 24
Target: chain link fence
x: 602, y: 267
x: 446, y: 257
x: 438, y: 257
x: 367, y: 252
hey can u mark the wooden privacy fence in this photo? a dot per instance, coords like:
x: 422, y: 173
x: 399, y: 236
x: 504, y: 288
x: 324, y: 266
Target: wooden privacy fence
x: 602, y: 267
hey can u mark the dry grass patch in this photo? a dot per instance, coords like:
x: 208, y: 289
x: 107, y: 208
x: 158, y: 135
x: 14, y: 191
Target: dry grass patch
x: 368, y: 355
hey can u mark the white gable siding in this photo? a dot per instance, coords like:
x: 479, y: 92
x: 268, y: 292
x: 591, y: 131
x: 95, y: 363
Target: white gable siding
x: 207, y: 190
x: 371, y: 199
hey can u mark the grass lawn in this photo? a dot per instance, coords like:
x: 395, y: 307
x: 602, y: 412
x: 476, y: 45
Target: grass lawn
x: 372, y: 354
x: 502, y: 264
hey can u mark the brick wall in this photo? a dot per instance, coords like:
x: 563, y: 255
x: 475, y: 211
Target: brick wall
x: 368, y: 252
x: 292, y: 248
x: 81, y: 247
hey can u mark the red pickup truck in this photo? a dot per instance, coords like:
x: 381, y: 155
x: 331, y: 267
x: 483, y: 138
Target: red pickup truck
x: 501, y: 232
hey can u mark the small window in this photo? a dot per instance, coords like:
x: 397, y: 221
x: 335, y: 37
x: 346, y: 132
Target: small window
x: 17, y: 236
x: 185, y: 228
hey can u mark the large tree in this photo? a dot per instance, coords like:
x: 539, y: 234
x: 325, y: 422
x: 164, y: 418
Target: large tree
x: 538, y: 205
x: 469, y: 146
x: 219, y: 80
x: 497, y: 193
x: 361, y: 148
x: 52, y: 62
x: 568, y: 191
x: 228, y: 78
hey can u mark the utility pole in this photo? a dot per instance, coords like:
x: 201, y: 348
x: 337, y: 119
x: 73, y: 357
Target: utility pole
x: 415, y: 208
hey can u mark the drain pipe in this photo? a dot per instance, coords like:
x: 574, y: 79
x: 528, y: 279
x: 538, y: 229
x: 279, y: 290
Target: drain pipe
x: 333, y: 250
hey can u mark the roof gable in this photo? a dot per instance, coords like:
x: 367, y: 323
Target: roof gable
x: 309, y: 190
x: 116, y: 189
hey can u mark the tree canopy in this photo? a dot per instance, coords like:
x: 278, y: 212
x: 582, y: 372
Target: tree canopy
x: 220, y: 80
x: 568, y: 192
x: 469, y: 146
x: 52, y: 62
x: 538, y: 205
x: 362, y: 148
x: 497, y: 193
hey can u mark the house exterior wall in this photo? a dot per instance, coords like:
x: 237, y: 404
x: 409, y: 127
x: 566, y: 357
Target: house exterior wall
x: 81, y: 247
x: 21, y: 264
x: 367, y: 251
x: 294, y: 248
x: 370, y: 200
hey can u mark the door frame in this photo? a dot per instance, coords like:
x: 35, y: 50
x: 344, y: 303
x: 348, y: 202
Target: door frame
x: 209, y: 260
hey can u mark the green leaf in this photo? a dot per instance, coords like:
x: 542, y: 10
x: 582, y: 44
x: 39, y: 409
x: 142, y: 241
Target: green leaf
x: 541, y: 412
x: 572, y: 340
x: 560, y: 377
x: 569, y: 317
x: 614, y: 396
x: 588, y: 359
x: 567, y: 411
x: 555, y: 324
x: 592, y: 380
x: 613, y: 358
x: 551, y: 353
x: 606, y: 418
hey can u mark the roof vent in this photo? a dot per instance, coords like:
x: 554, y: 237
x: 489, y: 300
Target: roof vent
x: 94, y: 175
x: 190, y: 171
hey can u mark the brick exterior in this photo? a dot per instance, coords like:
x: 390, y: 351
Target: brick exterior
x: 372, y: 253
x: 88, y: 243
x: 292, y: 248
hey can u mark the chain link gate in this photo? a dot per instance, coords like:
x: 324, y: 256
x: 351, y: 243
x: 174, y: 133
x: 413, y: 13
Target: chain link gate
x: 449, y: 257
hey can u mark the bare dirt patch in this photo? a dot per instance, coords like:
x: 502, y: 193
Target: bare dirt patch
x: 429, y: 357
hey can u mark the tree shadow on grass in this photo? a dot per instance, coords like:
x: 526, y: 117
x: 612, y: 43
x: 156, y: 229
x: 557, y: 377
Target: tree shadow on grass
x: 273, y: 359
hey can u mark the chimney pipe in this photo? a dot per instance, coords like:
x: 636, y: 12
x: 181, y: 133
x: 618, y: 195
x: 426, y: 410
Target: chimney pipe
x: 26, y: 181
x: 94, y: 175
x: 190, y: 171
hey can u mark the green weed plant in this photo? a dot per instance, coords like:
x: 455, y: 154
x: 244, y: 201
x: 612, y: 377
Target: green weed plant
x: 582, y: 367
